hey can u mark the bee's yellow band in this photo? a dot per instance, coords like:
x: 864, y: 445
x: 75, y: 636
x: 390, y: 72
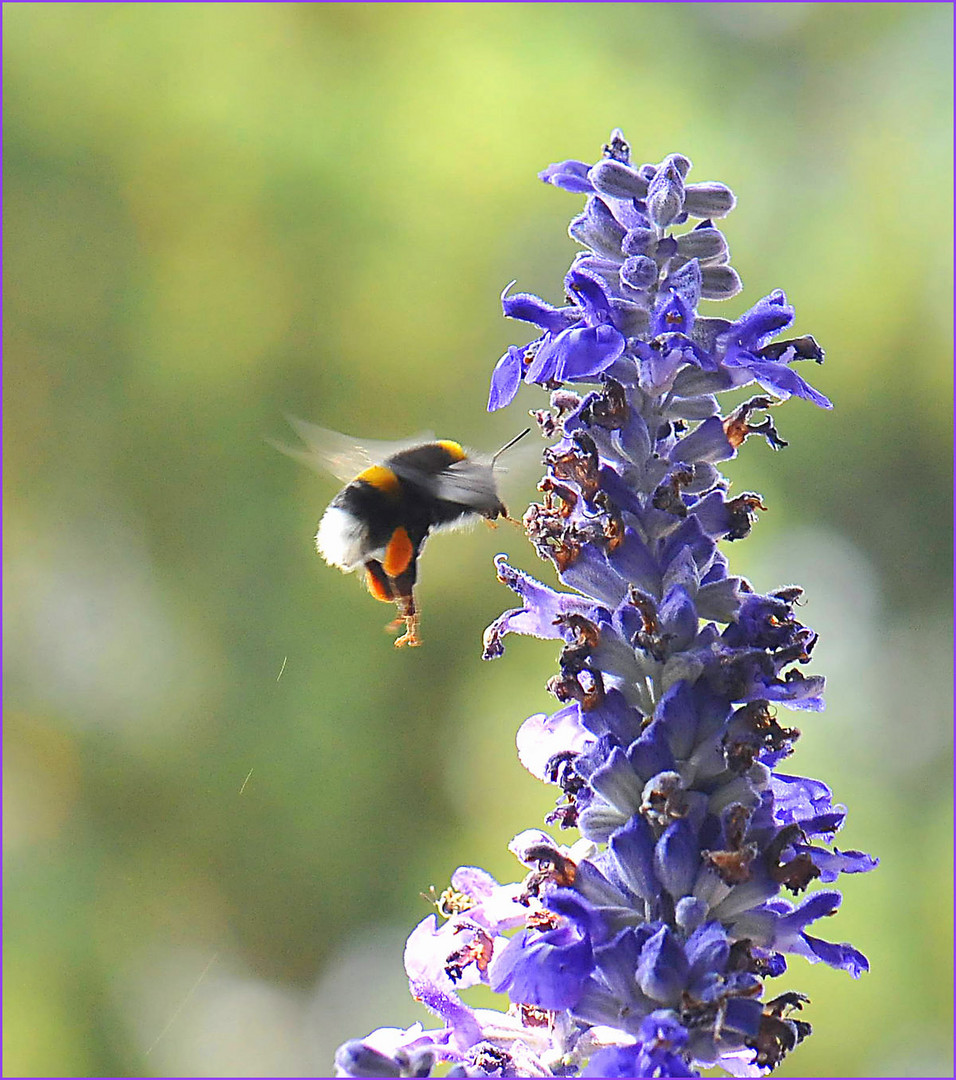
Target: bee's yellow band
x: 381, y: 477
x: 454, y: 449
x: 398, y: 554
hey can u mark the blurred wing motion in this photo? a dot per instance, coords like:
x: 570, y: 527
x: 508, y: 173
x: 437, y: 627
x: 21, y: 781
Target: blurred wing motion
x: 468, y: 482
x: 330, y: 451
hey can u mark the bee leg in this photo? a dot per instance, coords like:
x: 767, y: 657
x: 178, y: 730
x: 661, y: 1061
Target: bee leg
x: 400, y: 564
x: 406, y: 605
x: 410, y: 637
x: 379, y: 584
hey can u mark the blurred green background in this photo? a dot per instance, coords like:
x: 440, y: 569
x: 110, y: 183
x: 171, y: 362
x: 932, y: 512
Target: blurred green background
x: 224, y: 789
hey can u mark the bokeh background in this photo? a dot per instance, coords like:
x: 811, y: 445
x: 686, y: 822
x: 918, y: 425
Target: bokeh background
x: 224, y: 790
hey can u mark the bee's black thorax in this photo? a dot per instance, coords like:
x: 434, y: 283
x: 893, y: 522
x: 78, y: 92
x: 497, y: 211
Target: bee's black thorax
x: 423, y: 506
x: 428, y: 459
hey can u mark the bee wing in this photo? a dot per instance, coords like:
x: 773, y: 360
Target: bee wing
x: 478, y: 481
x: 469, y: 482
x: 338, y: 454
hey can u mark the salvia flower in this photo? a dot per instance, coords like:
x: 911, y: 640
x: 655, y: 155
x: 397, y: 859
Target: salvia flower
x: 643, y: 948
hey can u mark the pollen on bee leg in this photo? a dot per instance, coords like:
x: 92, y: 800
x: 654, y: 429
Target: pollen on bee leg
x: 377, y: 583
x: 398, y: 554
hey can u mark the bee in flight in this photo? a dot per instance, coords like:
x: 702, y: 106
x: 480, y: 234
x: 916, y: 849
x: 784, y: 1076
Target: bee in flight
x: 395, y: 495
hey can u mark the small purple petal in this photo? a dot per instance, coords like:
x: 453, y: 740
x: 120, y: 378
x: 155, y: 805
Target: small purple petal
x: 538, y: 617
x: 506, y: 378
x: 583, y: 352
x: 432, y: 987
x: 662, y: 970
x: 592, y: 575
x: 844, y: 956
x: 832, y: 864
x: 617, y: 180
x: 707, y: 442
x: 665, y: 194
x: 650, y: 754
x: 708, y: 949
x: 679, y: 617
x: 638, y: 272
x: 637, y: 241
x: 672, y: 315
x: 686, y: 283
x: 632, y: 846
x: 634, y: 562
x: 547, y: 969
x: 541, y: 738
x: 616, y: 781
x: 570, y: 175
x: 708, y: 200
x: 544, y: 366
x: 591, y: 295
x: 677, y: 714
x: 659, y: 366
x: 474, y: 882
x: 677, y: 858
x: 529, y: 308
x: 784, y: 382
x: 817, y: 906
x: 598, y: 229
x: 798, y: 798
x: 763, y: 321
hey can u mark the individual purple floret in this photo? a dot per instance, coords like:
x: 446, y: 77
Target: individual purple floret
x: 643, y: 948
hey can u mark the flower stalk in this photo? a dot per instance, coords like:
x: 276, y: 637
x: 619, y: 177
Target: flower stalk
x: 648, y: 946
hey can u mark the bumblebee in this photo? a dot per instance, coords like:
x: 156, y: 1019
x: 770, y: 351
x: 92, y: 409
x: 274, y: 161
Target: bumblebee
x: 396, y: 495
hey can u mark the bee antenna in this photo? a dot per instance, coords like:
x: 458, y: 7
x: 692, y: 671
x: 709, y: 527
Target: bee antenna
x: 508, y: 445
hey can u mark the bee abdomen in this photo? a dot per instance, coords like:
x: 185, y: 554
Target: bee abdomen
x: 342, y: 539
x: 360, y: 520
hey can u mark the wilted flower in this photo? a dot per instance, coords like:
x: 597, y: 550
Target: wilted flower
x: 643, y: 948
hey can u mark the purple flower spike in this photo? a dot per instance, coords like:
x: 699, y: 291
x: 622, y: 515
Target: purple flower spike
x: 651, y: 946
